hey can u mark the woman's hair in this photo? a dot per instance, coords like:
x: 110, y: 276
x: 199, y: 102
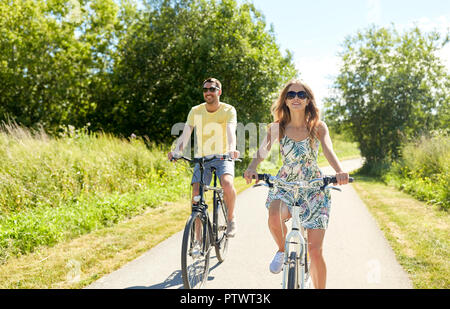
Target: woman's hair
x: 282, y: 116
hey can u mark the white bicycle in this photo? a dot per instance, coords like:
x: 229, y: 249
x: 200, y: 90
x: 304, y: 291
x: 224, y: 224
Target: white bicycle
x: 296, y: 273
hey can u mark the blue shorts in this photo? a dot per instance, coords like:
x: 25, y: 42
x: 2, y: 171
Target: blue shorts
x: 222, y: 167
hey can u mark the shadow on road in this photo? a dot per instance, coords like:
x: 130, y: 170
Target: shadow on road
x: 174, y: 280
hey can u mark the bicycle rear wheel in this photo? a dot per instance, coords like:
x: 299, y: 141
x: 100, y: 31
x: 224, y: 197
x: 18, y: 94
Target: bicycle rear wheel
x: 195, y: 252
x: 220, y: 230
x: 293, y: 271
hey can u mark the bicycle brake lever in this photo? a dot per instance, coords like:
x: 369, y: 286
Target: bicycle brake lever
x: 260, y: 185
x: 334, y: 188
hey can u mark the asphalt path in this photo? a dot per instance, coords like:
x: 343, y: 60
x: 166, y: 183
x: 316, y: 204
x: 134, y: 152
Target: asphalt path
x: 355, y: 250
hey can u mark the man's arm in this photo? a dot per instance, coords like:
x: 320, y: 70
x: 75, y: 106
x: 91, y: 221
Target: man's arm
x: 182, y: 141
x: 231, y: 133
x: 231, y: 137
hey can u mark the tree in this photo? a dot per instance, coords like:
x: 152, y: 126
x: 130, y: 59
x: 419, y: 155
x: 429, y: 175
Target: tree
x: 55, y: 56
x: 178, y: 44
x: 391, y: 87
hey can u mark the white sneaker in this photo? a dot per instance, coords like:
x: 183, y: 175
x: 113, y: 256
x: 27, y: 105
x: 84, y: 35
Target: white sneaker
x: 231, y: 229
x: 196, y: 251
x: 277, y: 263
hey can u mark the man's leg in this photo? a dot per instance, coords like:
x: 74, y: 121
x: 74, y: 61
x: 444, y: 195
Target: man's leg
x: 229, y: 194
x: 195, y: 190
x: 198, y: 223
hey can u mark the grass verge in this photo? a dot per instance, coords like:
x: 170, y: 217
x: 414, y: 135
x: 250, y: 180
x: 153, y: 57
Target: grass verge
x: 62, y: 249
x: 79, y: 262
x: 417, y: 233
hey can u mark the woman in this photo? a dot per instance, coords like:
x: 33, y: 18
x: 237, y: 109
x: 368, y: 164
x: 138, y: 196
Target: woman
x: 298, y: 128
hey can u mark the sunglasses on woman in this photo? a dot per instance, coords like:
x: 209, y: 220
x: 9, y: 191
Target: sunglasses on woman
x: 301, y: 95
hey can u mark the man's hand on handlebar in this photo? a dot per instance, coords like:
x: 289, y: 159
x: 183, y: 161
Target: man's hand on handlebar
x: 173, y: 156
x: 234, y: 154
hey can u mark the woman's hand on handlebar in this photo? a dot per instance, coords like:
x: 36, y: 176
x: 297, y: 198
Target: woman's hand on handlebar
x: 342, y: 178
x: 250, y: 174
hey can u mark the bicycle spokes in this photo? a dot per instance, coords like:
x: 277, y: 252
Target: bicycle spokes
x: 221, y: 239
x: 195, y: 253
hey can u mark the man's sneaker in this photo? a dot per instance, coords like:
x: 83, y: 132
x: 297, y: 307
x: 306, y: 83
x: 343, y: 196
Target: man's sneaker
x: 231, y: 228
x: 196, y: 250
x: 277, y: 263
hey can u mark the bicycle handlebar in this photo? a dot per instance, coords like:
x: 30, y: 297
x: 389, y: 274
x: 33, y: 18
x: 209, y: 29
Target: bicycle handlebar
x: 224, y: 157
x: 269, y: 179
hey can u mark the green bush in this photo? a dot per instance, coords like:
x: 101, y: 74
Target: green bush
x: 424, y: 170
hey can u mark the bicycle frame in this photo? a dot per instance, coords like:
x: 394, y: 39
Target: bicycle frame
x: 297, y: 237
x: 211, y: 229
x: 297, y: 240
x: 203, y: 207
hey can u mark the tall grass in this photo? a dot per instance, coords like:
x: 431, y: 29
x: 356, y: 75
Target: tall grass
x: 424, y: 170
x: 53, y: 189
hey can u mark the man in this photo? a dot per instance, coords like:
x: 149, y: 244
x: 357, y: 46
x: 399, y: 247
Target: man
x: 215, y: 124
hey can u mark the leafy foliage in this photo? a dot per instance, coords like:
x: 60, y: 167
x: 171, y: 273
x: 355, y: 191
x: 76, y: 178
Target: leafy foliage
x: 424, y: 170
x: 178, y: 44
x: 129, y: 68
x: 53, y: 56
x: 392, y: 87
x: 54, y: 189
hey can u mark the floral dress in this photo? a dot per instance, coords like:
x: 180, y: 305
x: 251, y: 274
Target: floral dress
x: 300, y: 163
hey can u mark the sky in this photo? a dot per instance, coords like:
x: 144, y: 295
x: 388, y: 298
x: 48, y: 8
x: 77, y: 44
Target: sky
x: 314, y: 30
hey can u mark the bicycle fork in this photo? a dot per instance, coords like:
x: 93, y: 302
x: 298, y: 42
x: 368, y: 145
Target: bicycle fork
x: 295, y: 242
x: 202, y: 230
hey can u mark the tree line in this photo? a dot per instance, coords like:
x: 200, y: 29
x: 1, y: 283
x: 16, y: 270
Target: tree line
x: 392, y: 89
x: 133, y: 67
x: 136, y: 67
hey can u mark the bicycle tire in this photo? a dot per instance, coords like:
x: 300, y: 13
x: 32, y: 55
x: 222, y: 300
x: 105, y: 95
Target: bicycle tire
x: 293, y: 271
x: 195, y: 256
x: 220, y: 230
x: 307, y: 282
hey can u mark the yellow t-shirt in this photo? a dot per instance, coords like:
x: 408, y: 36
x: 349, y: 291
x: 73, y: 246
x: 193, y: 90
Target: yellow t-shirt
x: 211, y: 128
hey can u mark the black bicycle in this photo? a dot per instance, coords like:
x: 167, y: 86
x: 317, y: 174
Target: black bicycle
x: 200, y: 232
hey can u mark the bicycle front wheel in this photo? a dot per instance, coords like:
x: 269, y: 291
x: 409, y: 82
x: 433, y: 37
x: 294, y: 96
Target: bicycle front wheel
x: 220, y: 230
x: 195, y: 252
x: 293, y: 271
x: 305, y: 274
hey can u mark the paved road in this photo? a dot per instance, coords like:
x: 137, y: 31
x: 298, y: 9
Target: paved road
x: 356, y: 253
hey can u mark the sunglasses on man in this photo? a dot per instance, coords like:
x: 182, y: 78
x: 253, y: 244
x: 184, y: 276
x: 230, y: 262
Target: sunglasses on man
x: 210, y: 89
x: 301, y: 95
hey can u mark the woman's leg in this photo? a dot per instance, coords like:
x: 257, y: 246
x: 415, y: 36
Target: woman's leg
x: 318, y: 267
x: 278, y: 214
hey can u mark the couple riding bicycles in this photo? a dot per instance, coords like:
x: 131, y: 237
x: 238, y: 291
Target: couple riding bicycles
x: 298, y: 130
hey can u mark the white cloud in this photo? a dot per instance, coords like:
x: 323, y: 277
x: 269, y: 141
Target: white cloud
x: 319, y: 72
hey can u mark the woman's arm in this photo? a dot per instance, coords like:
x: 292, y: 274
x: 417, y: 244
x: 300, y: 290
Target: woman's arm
x: 327, y: 148
x: 263, y: 151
